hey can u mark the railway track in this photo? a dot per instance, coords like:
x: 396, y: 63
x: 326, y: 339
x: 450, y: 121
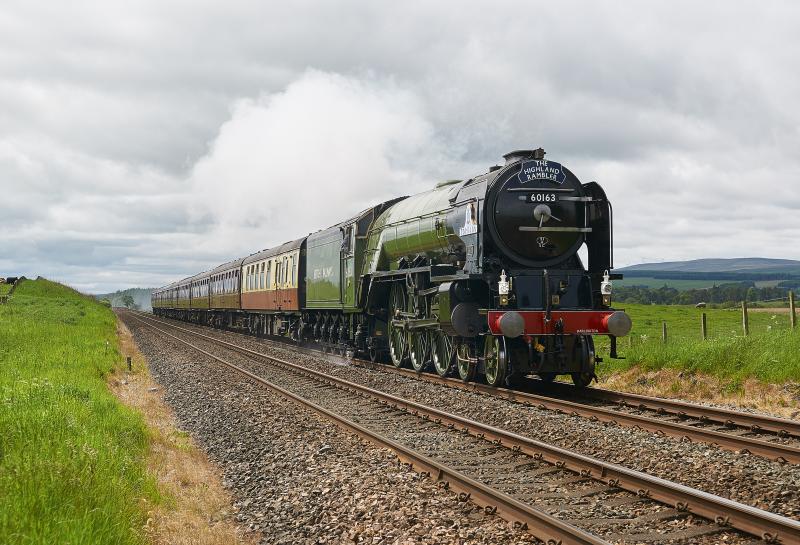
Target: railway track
x: 521, y: 479
x: 760, y: 435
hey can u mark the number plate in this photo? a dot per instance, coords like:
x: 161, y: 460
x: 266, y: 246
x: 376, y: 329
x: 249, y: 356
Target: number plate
x: 543, y: 197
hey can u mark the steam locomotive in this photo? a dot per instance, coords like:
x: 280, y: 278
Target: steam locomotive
x: 478, y: 277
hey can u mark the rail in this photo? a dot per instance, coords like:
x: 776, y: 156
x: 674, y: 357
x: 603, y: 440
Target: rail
x: 751, y: 520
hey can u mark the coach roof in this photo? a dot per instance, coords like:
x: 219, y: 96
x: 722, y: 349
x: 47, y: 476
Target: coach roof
x: 270, y: 252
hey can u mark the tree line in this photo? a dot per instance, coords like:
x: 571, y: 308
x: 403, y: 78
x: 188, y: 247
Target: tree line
x: 734, y: 277
x: 724, y: 294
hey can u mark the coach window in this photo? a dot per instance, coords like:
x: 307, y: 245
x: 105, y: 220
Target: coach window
x: 269, y: 274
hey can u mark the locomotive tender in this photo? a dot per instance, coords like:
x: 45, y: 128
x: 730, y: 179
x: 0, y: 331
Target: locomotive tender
x: 478, y: 276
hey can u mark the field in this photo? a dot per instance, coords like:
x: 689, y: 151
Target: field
x: 5, y: 288
x: 71, y: 456
x: 769, y: 354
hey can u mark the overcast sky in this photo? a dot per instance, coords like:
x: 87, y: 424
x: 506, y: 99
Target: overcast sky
x: 145, y: 141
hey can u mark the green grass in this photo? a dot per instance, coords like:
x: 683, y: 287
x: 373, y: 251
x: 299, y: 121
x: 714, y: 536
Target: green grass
x: 771, y: 353
x: 5, y: 288
x: 71, y: 456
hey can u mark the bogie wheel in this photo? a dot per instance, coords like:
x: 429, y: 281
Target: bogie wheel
x: 442, y: 352
x: 419, y: 349
x: 495, y: 361
x: 397, y: 337
x: 467, y: 366
x: 582, y: 380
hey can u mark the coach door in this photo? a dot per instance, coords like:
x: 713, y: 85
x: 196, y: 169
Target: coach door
x: 348, y: 286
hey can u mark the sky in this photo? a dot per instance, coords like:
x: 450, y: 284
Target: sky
x: 141, y: 142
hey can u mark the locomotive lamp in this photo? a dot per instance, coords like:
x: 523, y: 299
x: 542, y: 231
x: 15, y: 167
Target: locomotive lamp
x: 605, y: 289
x: 503, y: 288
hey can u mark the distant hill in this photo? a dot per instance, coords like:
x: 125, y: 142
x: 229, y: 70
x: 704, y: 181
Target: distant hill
x: 141, y: 296
x: 759, y: 265
x: 705, y: 273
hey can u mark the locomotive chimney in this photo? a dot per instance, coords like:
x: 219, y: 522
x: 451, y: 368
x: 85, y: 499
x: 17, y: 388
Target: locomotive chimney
x: 521, y: 154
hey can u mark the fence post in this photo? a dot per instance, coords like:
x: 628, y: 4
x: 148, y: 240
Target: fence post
x: 704, y: 326
x: 745, y: 321
x: 792, y: 315
x: 664, y: 332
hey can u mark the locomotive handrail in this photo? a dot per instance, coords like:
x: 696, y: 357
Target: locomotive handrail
x: 553, y: 189
x: 556, y: 229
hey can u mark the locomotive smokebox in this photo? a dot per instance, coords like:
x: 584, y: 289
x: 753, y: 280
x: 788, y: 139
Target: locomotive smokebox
x: 536, y: 211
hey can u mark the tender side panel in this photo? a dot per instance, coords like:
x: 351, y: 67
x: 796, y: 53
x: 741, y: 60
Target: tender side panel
x: 323, y: 269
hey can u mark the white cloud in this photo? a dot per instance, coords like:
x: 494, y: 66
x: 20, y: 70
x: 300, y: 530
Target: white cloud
x: 296, y: 161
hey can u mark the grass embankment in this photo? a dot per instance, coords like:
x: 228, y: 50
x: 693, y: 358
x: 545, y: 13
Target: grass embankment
x: 71, y: 456
x: 196, y: 509
x: 771, y: 353
x: 5, y: 288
